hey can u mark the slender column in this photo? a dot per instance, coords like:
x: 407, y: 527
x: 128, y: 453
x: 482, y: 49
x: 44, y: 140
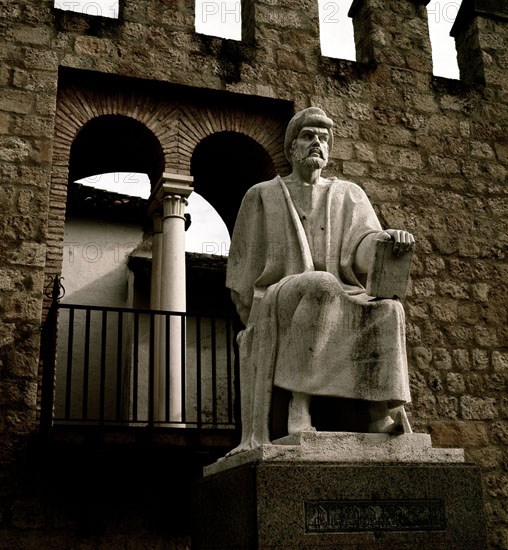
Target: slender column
x: 155, y: 303
x: 171, y: 193
x: 155, y: 291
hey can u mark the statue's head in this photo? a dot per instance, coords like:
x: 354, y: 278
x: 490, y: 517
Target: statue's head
x: 298, y: 145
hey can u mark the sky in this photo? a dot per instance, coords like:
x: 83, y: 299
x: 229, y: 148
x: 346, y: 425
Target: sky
x: 222, y: 18
x: 207, y: 234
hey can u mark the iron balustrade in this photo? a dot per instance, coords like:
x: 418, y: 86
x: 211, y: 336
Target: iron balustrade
x: 108, y: 360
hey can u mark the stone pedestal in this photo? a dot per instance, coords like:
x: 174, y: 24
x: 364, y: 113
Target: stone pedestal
x: 398, y: 492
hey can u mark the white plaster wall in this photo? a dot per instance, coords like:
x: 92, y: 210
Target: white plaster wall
x: 95, y: 273
x: 221, y: 374
x: 94, y: 264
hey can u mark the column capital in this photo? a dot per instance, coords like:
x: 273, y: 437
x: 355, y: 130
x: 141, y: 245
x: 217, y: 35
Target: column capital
x: 173, y: 206
x: 176, y: 185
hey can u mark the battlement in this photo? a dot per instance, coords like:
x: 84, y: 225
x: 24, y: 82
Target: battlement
x: 386, y: 32
x: 481, y: 37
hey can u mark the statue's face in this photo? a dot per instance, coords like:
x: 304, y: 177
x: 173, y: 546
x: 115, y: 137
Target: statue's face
x: 310, y: 148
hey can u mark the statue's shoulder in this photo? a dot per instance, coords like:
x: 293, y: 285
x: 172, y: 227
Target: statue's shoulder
x: 264, y: 187
x: 342, y: 184
x: 345, y: 186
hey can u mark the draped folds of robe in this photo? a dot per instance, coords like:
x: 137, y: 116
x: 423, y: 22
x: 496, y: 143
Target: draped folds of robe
x: 357, y: 344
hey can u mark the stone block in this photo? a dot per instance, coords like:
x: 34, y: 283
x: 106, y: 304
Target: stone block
x: 31, y: 35
x: 481, y: 359
x: 447, y: 407
x: 343, y: 447
x: 46, y: 60
x: 291, y: 60
x: 270, y: 504
x: 359, y: 111
x: 354, y: 169
x: 32, y: 254
x: 16, y: 101
x: 455, y: 383
x: 478, y: 408
x: 7, y: 330
x: 397, y: 156
x: 346, y: 129
x: 444, y: 165
x: 457, y: 434
x: 482, y: 150
x: 14, y: 149
x: 364, y: 152
x: 5, y: 121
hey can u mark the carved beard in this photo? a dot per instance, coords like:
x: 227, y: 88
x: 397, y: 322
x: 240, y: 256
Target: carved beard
x: 309, y: 162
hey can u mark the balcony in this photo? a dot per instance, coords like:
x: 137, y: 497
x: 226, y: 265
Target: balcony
x: 111, y: 370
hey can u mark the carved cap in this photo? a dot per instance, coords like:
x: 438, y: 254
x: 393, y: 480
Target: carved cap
x: 312, y: 116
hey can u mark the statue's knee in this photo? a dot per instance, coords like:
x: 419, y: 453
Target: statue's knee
x: 319, y: 284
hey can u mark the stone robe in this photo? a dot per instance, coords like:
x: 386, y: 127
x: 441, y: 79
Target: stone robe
x: 357, y: 343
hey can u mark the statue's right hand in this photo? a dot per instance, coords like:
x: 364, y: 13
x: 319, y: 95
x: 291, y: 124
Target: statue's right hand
x: 403, y: 241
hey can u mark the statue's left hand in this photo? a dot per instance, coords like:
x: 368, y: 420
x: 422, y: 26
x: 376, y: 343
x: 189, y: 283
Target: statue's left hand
x: 403, y: 241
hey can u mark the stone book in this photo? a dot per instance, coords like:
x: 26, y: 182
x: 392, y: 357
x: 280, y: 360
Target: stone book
x: 388, y: 274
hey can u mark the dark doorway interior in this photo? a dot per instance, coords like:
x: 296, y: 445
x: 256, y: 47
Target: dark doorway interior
x: 224, y: 166
x: 109, y: 143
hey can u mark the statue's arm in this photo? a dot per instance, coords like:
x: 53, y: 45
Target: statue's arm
x: 403, y: 242
x: 247, y: 253
x: 242, y: 309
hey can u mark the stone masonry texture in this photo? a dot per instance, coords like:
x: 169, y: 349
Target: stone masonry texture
x: 431, y: 153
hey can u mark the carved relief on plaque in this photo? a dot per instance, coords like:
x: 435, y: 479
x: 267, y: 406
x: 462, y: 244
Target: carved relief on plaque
x: 342, y: 516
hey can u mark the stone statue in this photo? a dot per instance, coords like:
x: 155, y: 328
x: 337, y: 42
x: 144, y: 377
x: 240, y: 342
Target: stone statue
x: 299, y: 248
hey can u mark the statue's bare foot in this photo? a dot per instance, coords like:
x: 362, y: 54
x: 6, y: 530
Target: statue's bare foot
x: 399, y: 415
x: 239, y: 449
x: 299, y: 419
x: 248, y: 445
x: 380, y: 420
x: 386, y: 426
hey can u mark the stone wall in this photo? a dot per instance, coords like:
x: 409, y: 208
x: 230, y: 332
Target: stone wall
x: 431, y: 153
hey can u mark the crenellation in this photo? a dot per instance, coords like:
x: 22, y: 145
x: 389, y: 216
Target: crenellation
x: 180, y: 15
x: 395, y: 33
x: 481, y: 37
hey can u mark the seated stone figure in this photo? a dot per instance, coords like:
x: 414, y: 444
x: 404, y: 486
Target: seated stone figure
x: 299, y: 246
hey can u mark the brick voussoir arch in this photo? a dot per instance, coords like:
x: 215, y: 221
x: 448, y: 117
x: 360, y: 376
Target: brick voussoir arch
x: 198, y: 122
x: 179, y: 126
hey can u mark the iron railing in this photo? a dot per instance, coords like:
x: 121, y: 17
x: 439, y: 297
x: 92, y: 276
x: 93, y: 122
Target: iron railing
x: 113, y: 366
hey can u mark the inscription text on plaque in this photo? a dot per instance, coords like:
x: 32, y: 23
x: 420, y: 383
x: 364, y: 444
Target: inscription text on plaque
x: 339, y: 516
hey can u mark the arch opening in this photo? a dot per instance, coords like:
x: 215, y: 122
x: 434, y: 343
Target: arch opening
x: 115, y: 143
x: 207, y: 233
x: 224, y: 166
